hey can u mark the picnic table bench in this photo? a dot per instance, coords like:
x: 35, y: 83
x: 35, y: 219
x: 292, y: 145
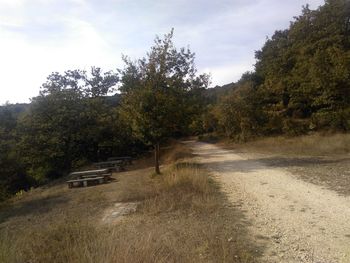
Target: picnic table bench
x: 111, y: 165
x: 85, y: 181
x: 125, y: 159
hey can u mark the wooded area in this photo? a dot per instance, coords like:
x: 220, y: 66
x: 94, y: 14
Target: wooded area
x: 301, y: 81
x: 301, y: 84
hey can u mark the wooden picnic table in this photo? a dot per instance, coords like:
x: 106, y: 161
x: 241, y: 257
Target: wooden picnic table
x: 83, y: 178
x: 115, y: 165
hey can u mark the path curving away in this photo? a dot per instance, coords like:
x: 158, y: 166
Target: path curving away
x: 294, y: 220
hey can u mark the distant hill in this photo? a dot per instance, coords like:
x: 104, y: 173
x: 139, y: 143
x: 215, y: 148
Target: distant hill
x: 213, y: 94
x: 113, y: 100
x: 18, y: 107
x: 14, y: 109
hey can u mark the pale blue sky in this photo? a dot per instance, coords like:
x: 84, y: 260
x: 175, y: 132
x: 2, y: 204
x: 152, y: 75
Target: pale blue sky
x: 38, y: 37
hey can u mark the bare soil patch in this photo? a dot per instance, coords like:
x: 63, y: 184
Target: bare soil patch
x: 116, y: 213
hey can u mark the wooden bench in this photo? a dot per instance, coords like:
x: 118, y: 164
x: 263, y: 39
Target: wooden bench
x: 85, y: 181
x: 111, y: 165
x: 106, y: 176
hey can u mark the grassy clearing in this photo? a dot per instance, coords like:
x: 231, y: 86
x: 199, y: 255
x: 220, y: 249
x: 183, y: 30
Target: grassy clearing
x: 316, y: 144
x: 182, y: 217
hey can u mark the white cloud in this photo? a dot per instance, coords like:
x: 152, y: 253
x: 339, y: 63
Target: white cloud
x: 41, y: 36
x: 24, y: 66
x: 228, y: 73
x: 11, y: 3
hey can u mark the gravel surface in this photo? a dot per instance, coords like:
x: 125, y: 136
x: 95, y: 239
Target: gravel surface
x: 291, y: 219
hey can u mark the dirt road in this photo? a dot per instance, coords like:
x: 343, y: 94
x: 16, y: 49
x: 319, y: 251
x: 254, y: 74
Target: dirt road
x: 293, y: 220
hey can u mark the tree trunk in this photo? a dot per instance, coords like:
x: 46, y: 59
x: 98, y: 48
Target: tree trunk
x: 156, y: 158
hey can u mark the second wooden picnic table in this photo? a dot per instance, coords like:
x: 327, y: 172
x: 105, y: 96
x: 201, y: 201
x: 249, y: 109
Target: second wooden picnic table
x: 125, y: 159
x: 115, y: 165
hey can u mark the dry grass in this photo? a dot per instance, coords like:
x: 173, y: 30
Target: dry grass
x: 171, y: 152
x: 184, y: 186
x: 316, y: 144
x: 182, y: 217
x: 174, y: 152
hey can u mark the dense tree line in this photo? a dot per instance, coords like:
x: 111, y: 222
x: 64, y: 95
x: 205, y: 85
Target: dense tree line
x: 71, y: 123
x: 301, y: 81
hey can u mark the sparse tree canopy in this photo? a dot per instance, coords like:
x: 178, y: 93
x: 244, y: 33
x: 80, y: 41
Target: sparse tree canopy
x: 156, y: 91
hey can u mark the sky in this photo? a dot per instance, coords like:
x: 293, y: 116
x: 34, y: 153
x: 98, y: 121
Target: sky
x: 38, y: 37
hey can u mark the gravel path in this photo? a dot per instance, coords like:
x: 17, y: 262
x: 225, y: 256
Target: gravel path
x: 293, y: 220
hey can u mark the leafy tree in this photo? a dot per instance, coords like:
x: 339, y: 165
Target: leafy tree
x: 240, y: 112
x: 301, y: 78
x: 65, y: 125
x: 306, y: 68
x: 156, y: 92
x: 12, y: 173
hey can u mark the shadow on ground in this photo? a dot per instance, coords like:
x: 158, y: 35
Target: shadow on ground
x: 37, y: 206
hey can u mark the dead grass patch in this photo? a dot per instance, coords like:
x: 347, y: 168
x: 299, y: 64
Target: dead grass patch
x: 175, y: 152
x: 315, y: 144
x: 171, y: 152
x: 184, y: 187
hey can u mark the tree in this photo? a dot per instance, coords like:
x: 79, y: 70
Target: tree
x: 302, y: 78
x: 240, y: 112
x: 12, y: 175
x: 156, y: 92
x: 65, y: 125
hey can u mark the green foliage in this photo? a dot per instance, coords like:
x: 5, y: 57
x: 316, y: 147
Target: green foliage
x: 12, y: 174
x: 72, y: 122
x: 69, y: 123
x: 301, y: 81
x: 159, y: 92
x: 240, y: 111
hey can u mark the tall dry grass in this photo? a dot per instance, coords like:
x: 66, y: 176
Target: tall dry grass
x: 315, y: 144
x: 83, y: 242
x: 180, y: 219
x: 184, y: 186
